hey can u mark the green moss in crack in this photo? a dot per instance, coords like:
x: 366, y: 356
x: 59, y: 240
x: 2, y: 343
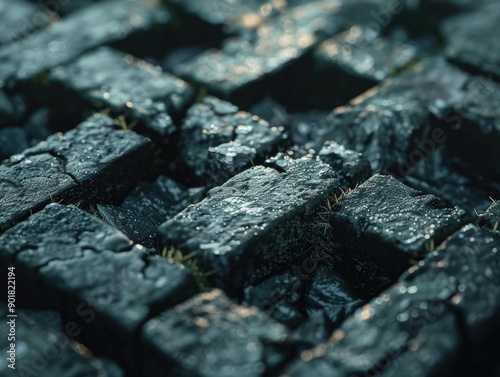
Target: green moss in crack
x: 203, y: 278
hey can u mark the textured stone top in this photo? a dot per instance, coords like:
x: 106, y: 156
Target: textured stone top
x: 92, y: 160
x: 111, y: 79
x: 65, y: 40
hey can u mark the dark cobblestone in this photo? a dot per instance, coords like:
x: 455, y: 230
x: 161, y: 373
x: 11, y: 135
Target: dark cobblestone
x: 219, y: 141
x: 127, y: 86
x: 240, y: 71
x: 431, y: 298
x: 20, y: 19
x: 256, y: 217
x: 382, y: 226
x: 307, y: 266
x: 37, y: 348
x: 355, y: 60
x: 244, y: 340
x: 491, y: 218
x: 107, y: 23
x: 95, y: 271
x: 148, y: 206
x: 471, y: 41
x: 92, y: 161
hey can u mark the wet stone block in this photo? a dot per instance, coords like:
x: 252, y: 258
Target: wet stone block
x: 467, y: 270
x: 247, y: 66
x: 330, y: 294
x: 109, y: 285
x: 94, y: 161
x: 491, y: 218
x: 63, y: 9
x: 108, y: 79
x: 442, y: 311
x: 280, y: 297
x: 354, y: 61
x: 326, y: 302
x: 433, y: 82
x: 381, y: 227
x: 20, y: 19
x: 34, y: 243
x: 352, y: 167
x: 244, y: 230
x: 219, y: 141
x: 107, y: 23
x: 440, y: 175
x: 471, y: 41
x: 386, y: 131
x: 43, y: 353
x: 225, y: 16
x: 209, y: 335
x: 149, y: 205
x: 469, y: 263
x: 404, y: 324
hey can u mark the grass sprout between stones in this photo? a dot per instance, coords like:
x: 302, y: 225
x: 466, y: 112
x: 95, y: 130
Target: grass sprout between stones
x: 324, y: 211
x: 189, y: 261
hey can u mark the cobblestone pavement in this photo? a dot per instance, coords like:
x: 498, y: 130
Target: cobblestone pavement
x: 249, y: 188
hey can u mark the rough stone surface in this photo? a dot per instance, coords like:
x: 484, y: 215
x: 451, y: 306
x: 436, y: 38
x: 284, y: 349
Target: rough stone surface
x: 247, y: 227
x: 469, y: 263
x: 149, y: 205
x: 387, y: 132
x: 280, y: 297
x: 228, y: 14
x: 242, y: 69
x: 378, y: 336
x: 96, y: 271
x: 106, y: 23
x: 219, y: 141
x: 352, y: 167
x: 108, y: 79
x: 330, y: 294
x: 20, y: 19
x: 420, y: 324
x: 34, y: 345
x: 92, y: 161
x: 471, y: 40
x: 263, y: 196
x: 355, y: 60
x: 382, y: 226
x: 439, y: 174
x: 433, y: 81
x: 449, y: 134
x: 243, y: 340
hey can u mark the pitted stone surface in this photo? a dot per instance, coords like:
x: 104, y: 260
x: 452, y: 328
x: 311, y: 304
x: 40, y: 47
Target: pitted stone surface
x: 108, y: 79
x: 246, y: 228
x: 91, y: 266
x: 419, y: 323
x: 106, y: 23
x: 243, y: 339
x: 92, y: 161
x: 218, y: 140
x: 383, y: 225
